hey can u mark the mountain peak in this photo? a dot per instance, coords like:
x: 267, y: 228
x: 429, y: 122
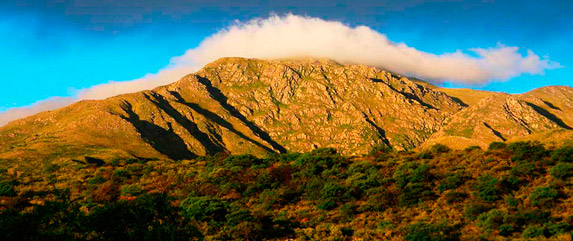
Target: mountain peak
x: 239, y: 105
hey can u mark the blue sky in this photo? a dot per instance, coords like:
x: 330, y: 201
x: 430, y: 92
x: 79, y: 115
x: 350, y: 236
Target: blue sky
x: 52, y: 47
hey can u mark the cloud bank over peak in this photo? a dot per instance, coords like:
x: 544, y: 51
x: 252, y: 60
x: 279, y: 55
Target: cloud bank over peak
x: 292, y: 36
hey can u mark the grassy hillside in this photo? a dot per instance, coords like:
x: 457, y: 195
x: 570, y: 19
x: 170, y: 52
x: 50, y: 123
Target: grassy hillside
x: 517, y: 191
x: 468, y: 97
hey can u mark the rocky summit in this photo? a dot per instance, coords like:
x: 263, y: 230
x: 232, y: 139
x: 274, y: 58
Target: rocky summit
x: 238, y: 106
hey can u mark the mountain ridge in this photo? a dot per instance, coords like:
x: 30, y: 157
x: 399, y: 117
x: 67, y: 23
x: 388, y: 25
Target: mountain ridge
x: 238, y: 105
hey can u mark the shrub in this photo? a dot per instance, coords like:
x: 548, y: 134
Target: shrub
x: 533, y: 231
x: 413, y: 193
x: 7, y: 189
x: 361, y: 177
x: 527, y: 151
x: 425, y: 155
x: 562, y: 170
x: 379, y: 198
x: 547, y: 230
x: 563, y: 154
x: 556, y: 228
x: 532, y: 216
x: 412, y: 172
x: 379, y: 149
x: 452, y: 181
x: 385, y: 225
x: 473, y: 210
x: 121, y: 173
x: 238, y: 216
x: 204, y: 208
x: 318, y: 161
x: 361, y: 167
x: 131, y: 190
x: 471, y: 148
x: 439, y: 148
x: 431, y: 232
x: 98, y: 179
x: 327, y: 205
x: 268, y: 198
x: 413, y: 180
x: 243, y: 161
x: 523, y: 169
x: 512, y: 201
x: 497, y: 146
x: 313, y: 188
x: 487, y: 189
x: 333, y: 191
x: 496, y: 220
x: 434, y: 150
x: 452, y: 197
x: 508, y: 183
x: 348, y: 210
x: 543, y: 196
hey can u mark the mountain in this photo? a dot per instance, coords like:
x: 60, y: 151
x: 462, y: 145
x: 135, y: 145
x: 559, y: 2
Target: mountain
x: 238, y: 105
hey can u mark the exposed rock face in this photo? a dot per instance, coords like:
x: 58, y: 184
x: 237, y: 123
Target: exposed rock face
x: 237, y: 105
x: 499, y: 117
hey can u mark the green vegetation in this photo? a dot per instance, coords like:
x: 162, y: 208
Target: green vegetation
x: 519, y: 190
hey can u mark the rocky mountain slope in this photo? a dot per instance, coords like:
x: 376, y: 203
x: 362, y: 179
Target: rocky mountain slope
x: 238, y: 105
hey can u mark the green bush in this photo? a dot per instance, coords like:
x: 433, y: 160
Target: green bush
x: 556, y: 228
x: 204, y: 208
x: 7, y: 189
x: 238, y: 216
x: 563, y: 154
x: 471, y: 148
x: 452, y: 197
x: 425, y: 155
x: 497, y: 146
x: 431, y: 232
x: 379, y: 198
x: 434, y: 150
x: 98, y: 179
x: 486, y: 186
x: 243, y: 161
x: 121, y: 173
x: 319, y: 161
x: 379, y: 149
x: 131, y: 190
x: 414, y: 193
x: 348, y: 210
x: 361, y: 177
x: 512, y: 201
x: 327, y: 205
x: 562, y: 170
x: 547, y: 230
x: 413, y: 180
x: 439, y: 148
x: 533, y: 231
x: 527, y: 151
x: 333, y: 191
x: 452, y: 181
x: 412, y: 172
x: 523, y: 169
x: 498, y: 220
x: 473, y: 210
x: 543, y: 196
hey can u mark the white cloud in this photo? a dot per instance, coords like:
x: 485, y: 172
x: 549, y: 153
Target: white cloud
x: 43, y: 105
x: 296, y: 36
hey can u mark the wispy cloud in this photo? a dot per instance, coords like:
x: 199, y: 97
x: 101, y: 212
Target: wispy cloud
x: 296, y: 36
